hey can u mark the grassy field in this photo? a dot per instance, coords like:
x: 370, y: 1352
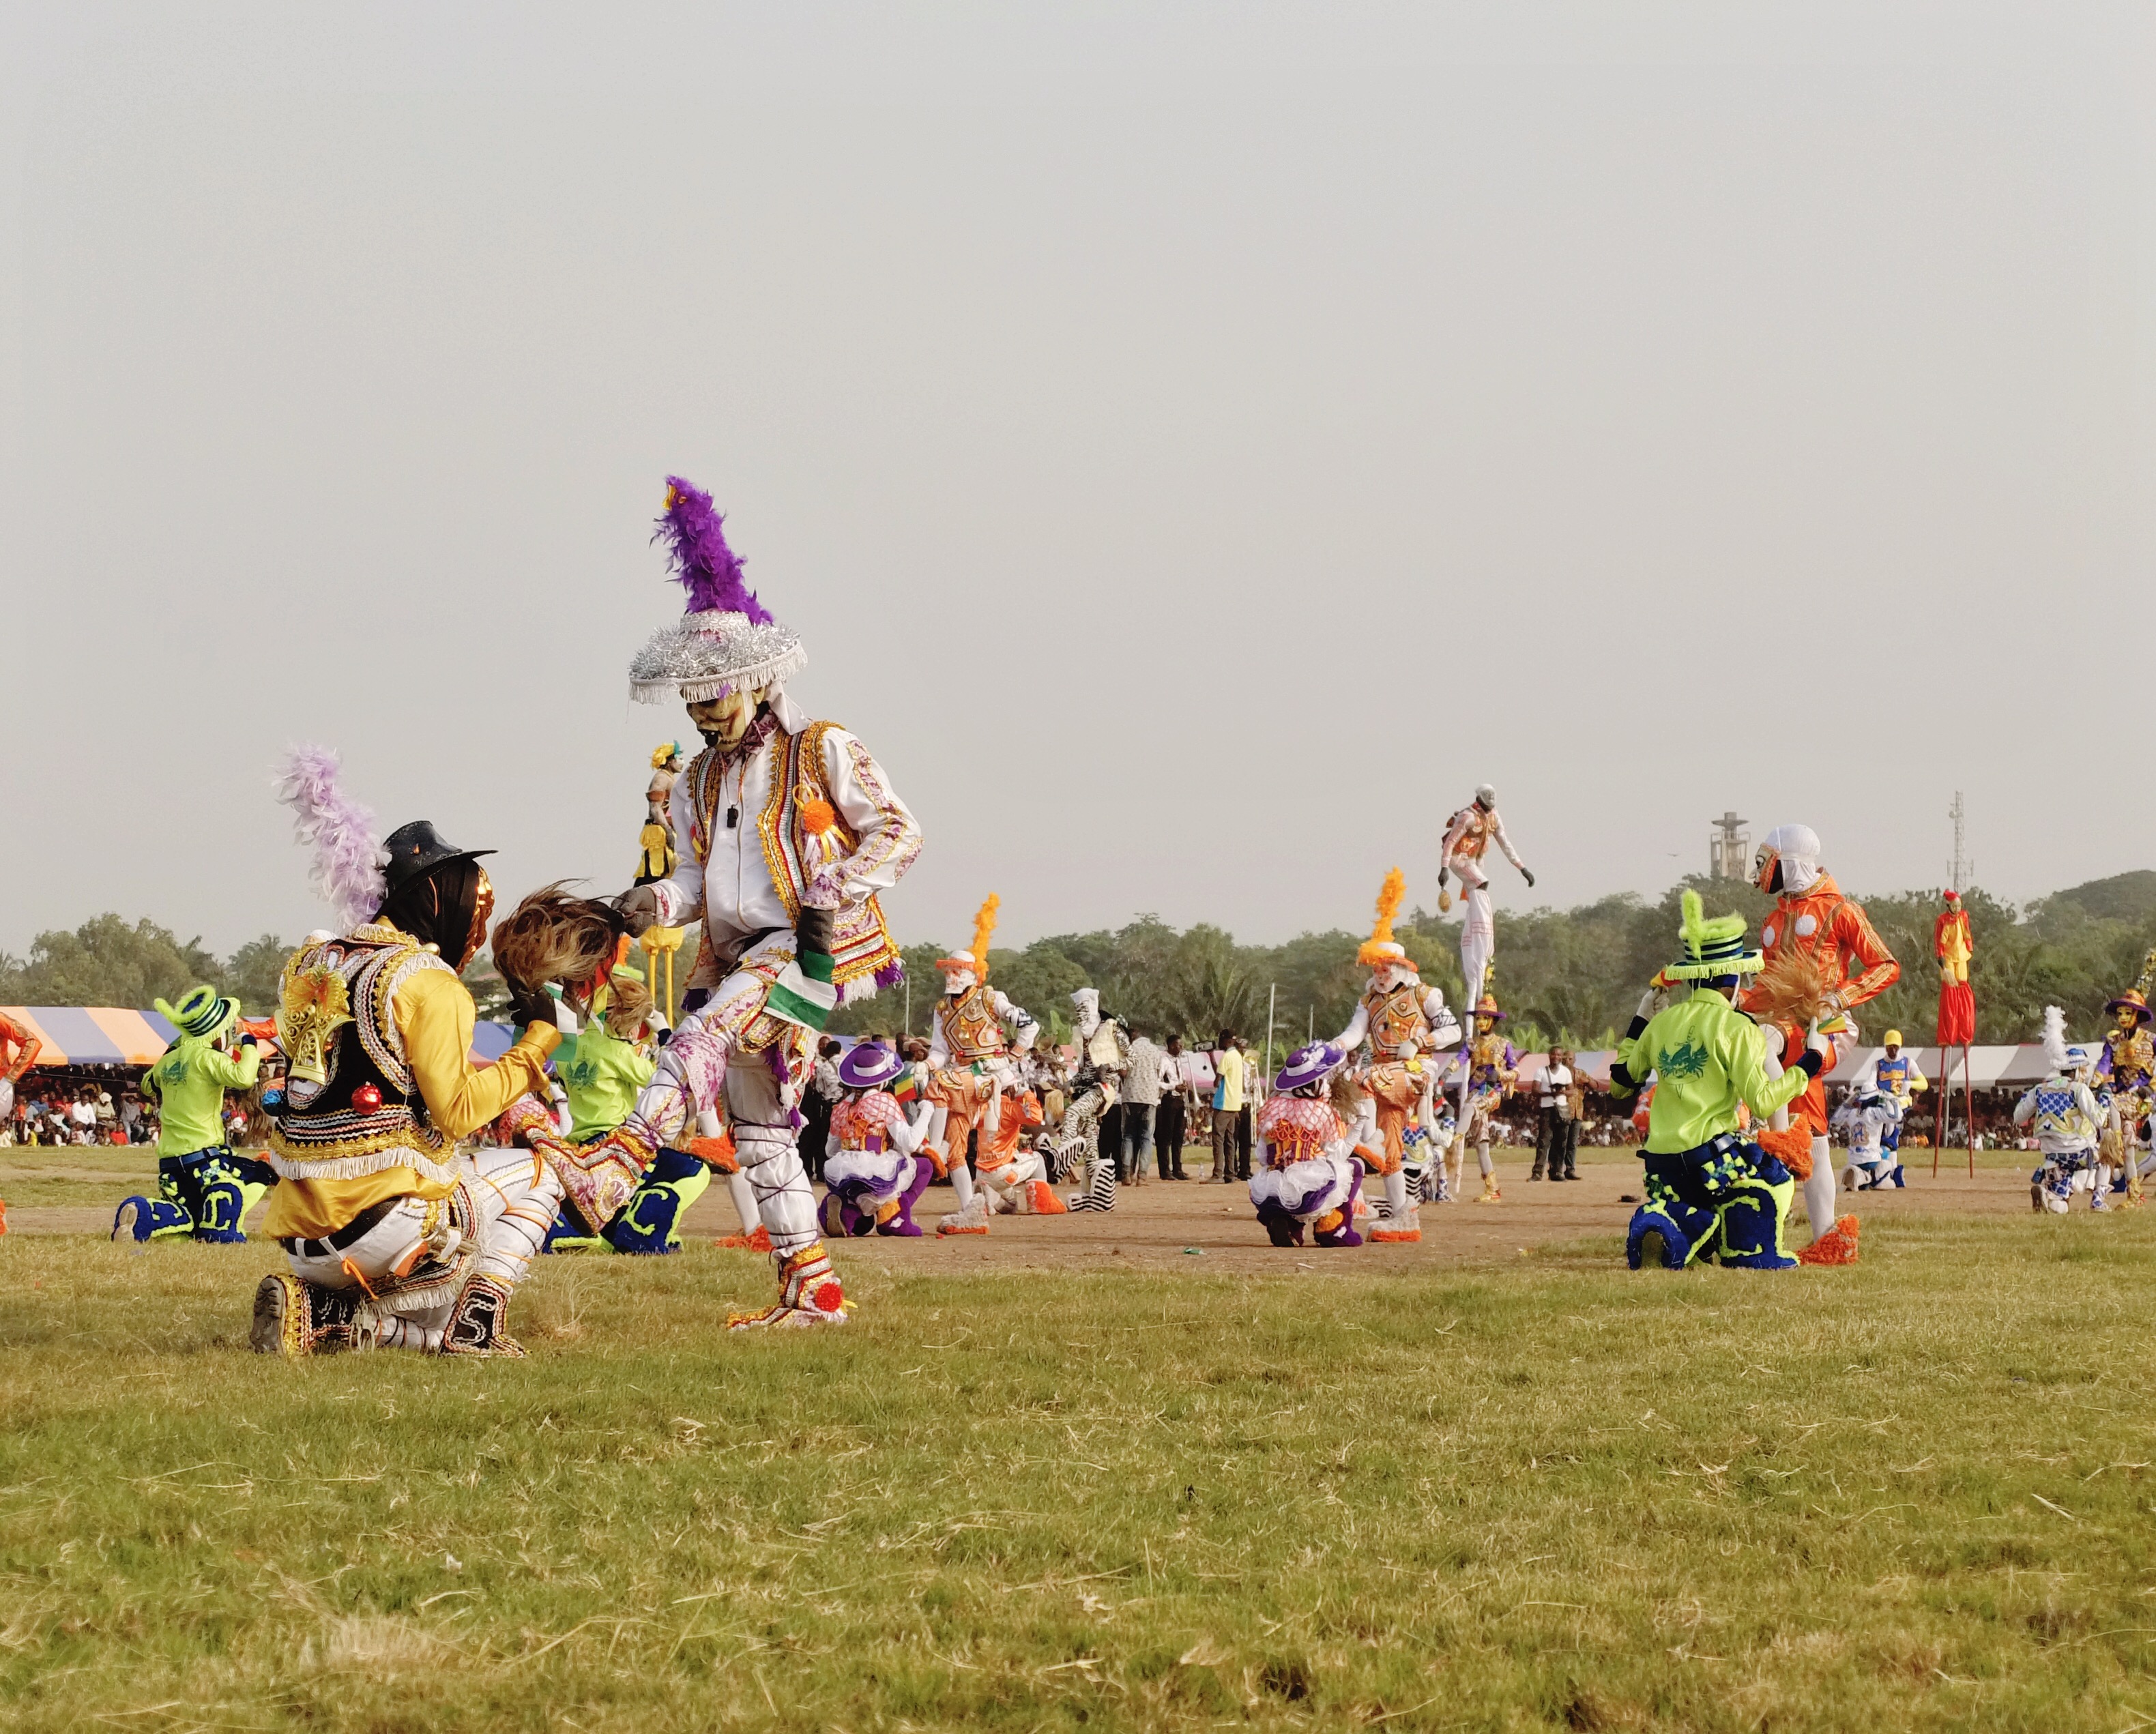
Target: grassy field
x: 1546, y: 1494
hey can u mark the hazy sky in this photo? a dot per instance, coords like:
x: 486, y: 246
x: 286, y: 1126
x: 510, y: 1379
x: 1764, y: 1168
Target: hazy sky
x: 1197, y: 444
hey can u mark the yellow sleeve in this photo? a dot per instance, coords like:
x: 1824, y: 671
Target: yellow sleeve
x: 238, y: 1074
x: 1744, y: 1058
x: 434, y: 1015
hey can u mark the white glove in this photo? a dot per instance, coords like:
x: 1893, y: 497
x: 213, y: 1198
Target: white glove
x: 1819, y: 1042
x: 1646, y: 1008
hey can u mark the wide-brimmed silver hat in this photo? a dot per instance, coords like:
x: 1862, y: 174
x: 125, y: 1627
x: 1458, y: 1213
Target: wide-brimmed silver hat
x: 728, y: 640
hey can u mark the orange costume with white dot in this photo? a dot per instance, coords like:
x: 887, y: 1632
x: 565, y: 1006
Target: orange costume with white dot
x: 1820, y: 922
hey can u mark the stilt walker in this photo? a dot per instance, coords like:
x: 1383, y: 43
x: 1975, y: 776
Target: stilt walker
x: 786, y: 830
x: 1468, y: 833
x: 1956, y: 1026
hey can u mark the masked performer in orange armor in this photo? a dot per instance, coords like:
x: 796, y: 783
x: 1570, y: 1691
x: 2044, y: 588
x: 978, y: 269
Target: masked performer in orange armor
x: 784, y: 831
x: 1404, y: 1023
x: 19, y: 1050
x: 975, y: 1038
x: 1813, y: 920
x: 1467, y: 834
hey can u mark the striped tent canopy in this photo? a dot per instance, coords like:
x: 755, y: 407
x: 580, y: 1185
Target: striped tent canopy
x: 93, y: 1034
x: 106, y: 1035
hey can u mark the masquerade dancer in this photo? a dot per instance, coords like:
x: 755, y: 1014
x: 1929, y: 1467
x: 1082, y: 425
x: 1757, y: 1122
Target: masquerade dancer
x: 1309, y: 1168
x: 784, y: 829
x: 1104, y: 1051
x: 873, y: 1170
x: 2067, y: 1120
x: 1404, y: 1023
x: 394, y: 1239
x: 974, y: 1037
x: 1467, y: 834
x: 203, y: 1189
x: 1814, y: 925
x: 1710, y: 1191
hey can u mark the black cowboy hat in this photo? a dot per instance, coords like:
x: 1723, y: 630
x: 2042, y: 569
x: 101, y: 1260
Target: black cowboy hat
x: 418, y: 848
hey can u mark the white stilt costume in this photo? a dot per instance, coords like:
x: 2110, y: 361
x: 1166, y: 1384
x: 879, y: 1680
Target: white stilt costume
x: 785, y: 831
x: 1468, y: 833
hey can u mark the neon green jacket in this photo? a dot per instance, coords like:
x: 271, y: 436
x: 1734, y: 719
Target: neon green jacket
x: 601, y: 1073
x: 1706, y: 1055
x: 189, y: 1084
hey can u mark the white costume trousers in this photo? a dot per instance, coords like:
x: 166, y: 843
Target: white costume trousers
x: 510, y: 1199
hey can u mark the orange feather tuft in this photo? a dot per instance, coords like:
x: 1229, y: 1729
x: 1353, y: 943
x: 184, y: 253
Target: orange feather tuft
x: 984, y: 924
x: 1389, y: 896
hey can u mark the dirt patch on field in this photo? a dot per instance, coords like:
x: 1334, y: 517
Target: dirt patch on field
x: 1201, y: 1226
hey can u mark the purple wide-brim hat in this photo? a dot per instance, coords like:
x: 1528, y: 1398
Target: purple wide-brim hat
x: 1308, y: 1065
x: 869, y: 1064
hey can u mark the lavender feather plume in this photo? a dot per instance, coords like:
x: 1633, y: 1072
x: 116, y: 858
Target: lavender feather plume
x: 703, y: 564
x: 347, y: 869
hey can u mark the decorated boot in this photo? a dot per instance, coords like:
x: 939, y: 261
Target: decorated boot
x: 1281, y: 1229
x: 838, y: 1218
x: 140, y: 1219
x: 476, y: 1323
x: 1491, y: 1195
x: 1751, y: 1226
x: 298, y: 1319
x: 809, y: 1294
x: 1654, y: 1238
x: 650, y: 1222
x: 974, y: 1219
x: 1041, y: 1200
x: 1837, y: 1246
x: 569, y: 1234
x: 757, y: 1239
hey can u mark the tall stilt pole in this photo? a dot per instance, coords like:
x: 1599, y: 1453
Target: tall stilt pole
x: 1939, y: 1113
x: 1969, y: 1107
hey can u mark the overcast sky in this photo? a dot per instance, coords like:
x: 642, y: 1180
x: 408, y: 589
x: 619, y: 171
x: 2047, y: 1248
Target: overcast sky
x: 1197, y: 444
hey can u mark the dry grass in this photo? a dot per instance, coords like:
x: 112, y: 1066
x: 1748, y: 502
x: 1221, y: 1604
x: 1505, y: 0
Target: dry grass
x: 1913, y: 1494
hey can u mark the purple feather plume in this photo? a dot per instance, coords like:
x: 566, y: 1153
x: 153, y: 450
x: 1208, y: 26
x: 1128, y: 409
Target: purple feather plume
x: 347, y: 868
x: 696, y: 549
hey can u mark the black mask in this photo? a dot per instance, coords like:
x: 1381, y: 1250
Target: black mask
x: 442, y: 908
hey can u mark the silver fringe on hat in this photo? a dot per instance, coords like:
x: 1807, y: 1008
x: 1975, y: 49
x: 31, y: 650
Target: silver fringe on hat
x: 705, y: 656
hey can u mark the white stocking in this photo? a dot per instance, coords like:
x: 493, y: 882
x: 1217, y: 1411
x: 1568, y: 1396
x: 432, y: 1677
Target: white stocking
x: 744, y: 1197
x: 1819, y: 1190
x: 1482, y: 1158
x: 962, y: 1182
x: 1396, y: 1196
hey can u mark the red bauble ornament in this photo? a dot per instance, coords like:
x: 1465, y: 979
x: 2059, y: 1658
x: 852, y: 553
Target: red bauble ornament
x: 367, y: 1098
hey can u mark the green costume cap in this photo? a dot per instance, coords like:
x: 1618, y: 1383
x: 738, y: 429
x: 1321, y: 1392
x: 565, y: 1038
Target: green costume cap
x: 1712, y: 949
x: 202, y: 1011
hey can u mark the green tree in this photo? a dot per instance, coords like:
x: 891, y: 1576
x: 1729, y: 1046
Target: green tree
x: 106, y: 961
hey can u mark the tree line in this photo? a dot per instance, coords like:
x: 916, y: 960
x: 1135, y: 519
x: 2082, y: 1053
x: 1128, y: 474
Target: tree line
x: 1571, y: 975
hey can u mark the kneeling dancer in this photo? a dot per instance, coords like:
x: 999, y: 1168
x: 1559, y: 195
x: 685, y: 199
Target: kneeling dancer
x: 395, y: 1240
x: 784, y: 830
x: 873, y: 1170
x: 1709, y: 1190
x: 1309, y: 1172
x: 2068, y: 1121
x: 205, y: 1188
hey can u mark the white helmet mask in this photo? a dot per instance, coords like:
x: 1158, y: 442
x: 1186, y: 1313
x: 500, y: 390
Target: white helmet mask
x: 1797, y: 847
x: 1087, y: 1001
x: 958, y: 981
x: 1486, y: 796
